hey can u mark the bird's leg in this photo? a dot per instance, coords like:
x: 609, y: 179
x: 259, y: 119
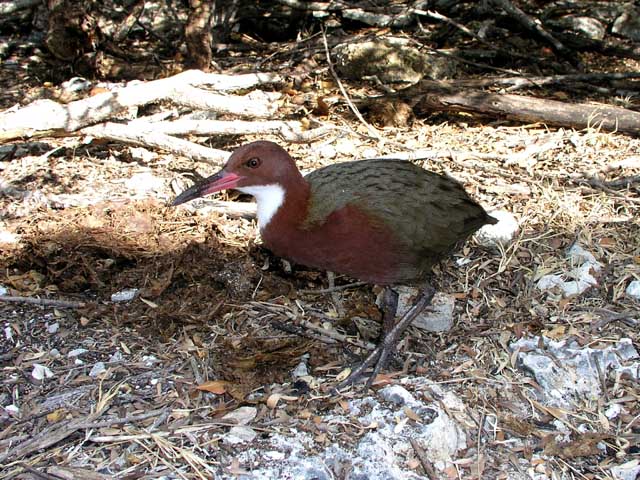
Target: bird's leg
x: 388, y: 343
x: 389, y: 309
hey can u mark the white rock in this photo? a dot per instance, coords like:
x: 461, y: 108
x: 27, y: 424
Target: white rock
x: 613, y: 411
x: 502, y: 233
x: 578, y: 279
x: 578, y: 255
x: 438, y: 317
x: 8, y: 238
x: 12, y: 410
x: 442, y: 440
x: 569, y: 373
x: 76, y: 352
x: 53, y: 328
x: 40, y: 372
x: 345, y: 146
x: 626, y: 471
x: 144, y: 182
x: 633, y: 289
x: 8, y: 333
x: 149, y: 360
x: 97, y: 369
x: 141, y: 153
x: 274, y: 455
x: 3, y: 290
x: 124, y: 295
x: 241, y: 416
x: 397, y: 394
x: 116, y: 357
x: 301, y: 369
x: 239, y: 434
x: 369, y: 153
x: 328, y: 152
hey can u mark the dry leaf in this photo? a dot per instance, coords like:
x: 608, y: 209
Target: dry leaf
x: 343, y: 375
x: 273, y: 400
x: 215, y: 386
x: 412, y: 415
x: 56, y: 415
x: 149, y: 302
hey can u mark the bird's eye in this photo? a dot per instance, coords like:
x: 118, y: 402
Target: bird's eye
x: 253, y: 162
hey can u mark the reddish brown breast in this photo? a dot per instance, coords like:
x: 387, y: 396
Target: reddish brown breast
x: 350, y: 242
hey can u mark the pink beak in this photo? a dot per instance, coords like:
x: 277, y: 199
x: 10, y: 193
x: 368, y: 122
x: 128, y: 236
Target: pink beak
x: 215, y: 183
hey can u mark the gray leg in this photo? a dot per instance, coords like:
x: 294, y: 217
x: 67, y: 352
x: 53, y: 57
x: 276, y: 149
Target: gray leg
x: 389, y: 309
x: 390, y: 339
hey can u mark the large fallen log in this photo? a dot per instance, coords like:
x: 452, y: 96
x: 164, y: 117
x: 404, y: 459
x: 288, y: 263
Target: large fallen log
x: 532, y: 110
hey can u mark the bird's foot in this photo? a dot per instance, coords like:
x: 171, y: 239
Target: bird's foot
x: 387, y: 345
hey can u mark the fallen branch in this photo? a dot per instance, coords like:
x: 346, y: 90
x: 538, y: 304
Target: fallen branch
x: 46, y: 302
x: 139, y: 135
x: 535, y: 110
x: 514, y: 83
x: 42, y: 117
x: 536, y: 27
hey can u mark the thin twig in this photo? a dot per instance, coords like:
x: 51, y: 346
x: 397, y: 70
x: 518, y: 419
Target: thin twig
x: 424, y: 460
x: 353, y: 108
x: 336, y: 336
x: 117, y: 421
x: 47, y: 302
x: 337, y: 288
x: 38, y: 473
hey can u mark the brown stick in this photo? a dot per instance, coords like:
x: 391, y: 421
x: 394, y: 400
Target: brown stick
x: 47, y: 302
x: 530, y: 109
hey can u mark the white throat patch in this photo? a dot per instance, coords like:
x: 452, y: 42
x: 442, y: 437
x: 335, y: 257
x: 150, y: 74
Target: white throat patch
x: 269, y: 199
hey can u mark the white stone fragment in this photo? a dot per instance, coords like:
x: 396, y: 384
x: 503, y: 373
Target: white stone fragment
x: 301, y: 370
x: 274, y: 455
x: 116, y: 357
x: 397, y: 394
x: 53, y: 328
x: 578, y: 255
x: 40, y: 372
x: 76, y: 352
x: 442, y: 439
x: 143, y: 183
x: 613, y: 411
x: 569, y: 373
x: 626, y: 471
x: 437, y: 318
x: 141, y: 153
x: 576, y: 280
x: 149, y: 360
x: 8, y: 238
x: 8, y: 333
x: 98, y: 369
x: 12, y: 410
x: 369, y: 153
x: 328, y: 152
x: 241, y: 416
x: 125, y: 295
x: 3, y: 290
x: 502, y: 233
x: 239, y: 434
x: 633, y: 289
